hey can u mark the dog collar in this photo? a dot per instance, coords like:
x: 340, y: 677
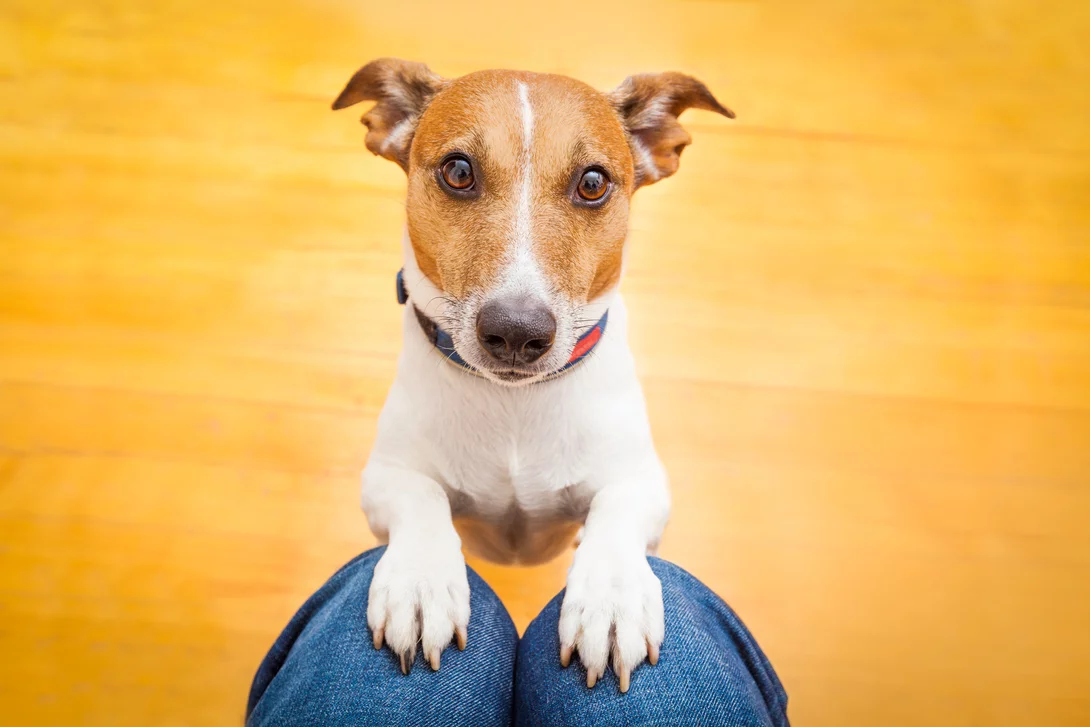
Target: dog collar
x: 445, y: 344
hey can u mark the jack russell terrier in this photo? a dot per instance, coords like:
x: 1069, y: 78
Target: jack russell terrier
x: 516, y: 416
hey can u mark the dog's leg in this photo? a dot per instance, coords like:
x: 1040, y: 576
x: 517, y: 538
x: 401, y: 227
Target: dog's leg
x: 612, y: 610
x: 419, y: 592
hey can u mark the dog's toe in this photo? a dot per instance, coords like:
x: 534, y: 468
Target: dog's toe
x: 418, y: 601
x: 612, y: 614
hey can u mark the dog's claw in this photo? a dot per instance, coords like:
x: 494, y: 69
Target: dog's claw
x: 565, y: 656
x: 652, y: 653
x: 592, y: 679
x: 406, y: 664
x: 623, y: 678
x: 376, y: 636
x: 461, y: 636
x: 433, y: 659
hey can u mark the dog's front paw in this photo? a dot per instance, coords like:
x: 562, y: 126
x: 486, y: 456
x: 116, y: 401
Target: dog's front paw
x: 419, y: 595
x: 612, y: 611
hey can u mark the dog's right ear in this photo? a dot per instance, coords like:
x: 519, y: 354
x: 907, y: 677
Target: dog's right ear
x: 403, y: 89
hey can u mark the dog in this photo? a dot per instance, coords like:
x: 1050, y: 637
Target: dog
x: 516, y: 423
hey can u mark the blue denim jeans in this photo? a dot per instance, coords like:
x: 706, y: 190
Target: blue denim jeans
x: 323, y: 670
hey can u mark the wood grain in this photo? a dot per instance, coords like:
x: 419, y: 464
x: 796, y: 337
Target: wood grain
x: 861, y: 313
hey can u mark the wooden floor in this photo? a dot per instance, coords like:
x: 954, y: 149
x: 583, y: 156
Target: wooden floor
x: 861, y: 313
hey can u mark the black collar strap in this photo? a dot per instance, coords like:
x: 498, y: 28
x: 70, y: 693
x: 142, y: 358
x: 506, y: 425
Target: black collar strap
x: 442, y: 340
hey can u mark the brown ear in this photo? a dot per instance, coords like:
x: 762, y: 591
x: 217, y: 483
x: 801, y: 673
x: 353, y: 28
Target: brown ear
x: 403, y: 90
x: 649, y: 105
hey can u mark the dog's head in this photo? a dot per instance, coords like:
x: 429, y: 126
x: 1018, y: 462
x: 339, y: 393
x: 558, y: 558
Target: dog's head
x: 518, y: 196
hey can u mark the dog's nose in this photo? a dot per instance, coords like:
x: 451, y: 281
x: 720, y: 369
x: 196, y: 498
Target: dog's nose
x: 516, y: 332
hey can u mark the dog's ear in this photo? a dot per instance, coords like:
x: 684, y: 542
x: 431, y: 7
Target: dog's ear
x: 403, y: 89
x: 649, y: 105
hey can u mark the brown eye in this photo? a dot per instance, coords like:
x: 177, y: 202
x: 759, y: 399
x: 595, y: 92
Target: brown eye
x: 457, y: 173
x: 593, y: 185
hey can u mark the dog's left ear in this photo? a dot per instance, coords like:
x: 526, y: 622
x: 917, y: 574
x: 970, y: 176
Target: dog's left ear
x: 649, y: 105
x: 403, y: 90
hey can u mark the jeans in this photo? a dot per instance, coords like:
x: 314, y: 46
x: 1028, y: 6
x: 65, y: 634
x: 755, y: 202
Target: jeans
x: 323, y: 670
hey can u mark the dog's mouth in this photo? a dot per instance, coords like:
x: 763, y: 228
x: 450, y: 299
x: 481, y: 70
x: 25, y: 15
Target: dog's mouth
x: 512, y: 375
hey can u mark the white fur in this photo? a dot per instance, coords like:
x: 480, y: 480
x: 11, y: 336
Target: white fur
x: 523, y: 276
x: 522, y: 262
x: 646, y: 162
x: 396, y: 137
x: 519, y: 469
x: 544, y: 458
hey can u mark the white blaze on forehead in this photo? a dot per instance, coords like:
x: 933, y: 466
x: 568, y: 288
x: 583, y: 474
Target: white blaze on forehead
x: 523, y: 232
x: 527, y: 116
x: 523, y: 274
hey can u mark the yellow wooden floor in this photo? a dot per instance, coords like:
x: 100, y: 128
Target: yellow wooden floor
x: 861, y: 313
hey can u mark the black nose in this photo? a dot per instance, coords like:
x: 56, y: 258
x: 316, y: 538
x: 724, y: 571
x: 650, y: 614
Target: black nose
x: 515, y: 332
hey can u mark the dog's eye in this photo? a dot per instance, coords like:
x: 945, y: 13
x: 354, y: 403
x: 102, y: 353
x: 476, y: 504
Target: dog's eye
x: 457, y: 173
x: 593, y: 185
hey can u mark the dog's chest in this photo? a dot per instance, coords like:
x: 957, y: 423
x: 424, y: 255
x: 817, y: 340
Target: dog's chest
x: 515, y: 479
x: 535, y: 479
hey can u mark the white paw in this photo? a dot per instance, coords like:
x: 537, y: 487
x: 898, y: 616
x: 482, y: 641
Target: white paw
x: 419, y: 595
x: 612, y: 611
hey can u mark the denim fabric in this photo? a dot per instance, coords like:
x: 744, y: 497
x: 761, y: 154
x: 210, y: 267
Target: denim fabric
x: 710, y: 671
x: 322, y: 670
